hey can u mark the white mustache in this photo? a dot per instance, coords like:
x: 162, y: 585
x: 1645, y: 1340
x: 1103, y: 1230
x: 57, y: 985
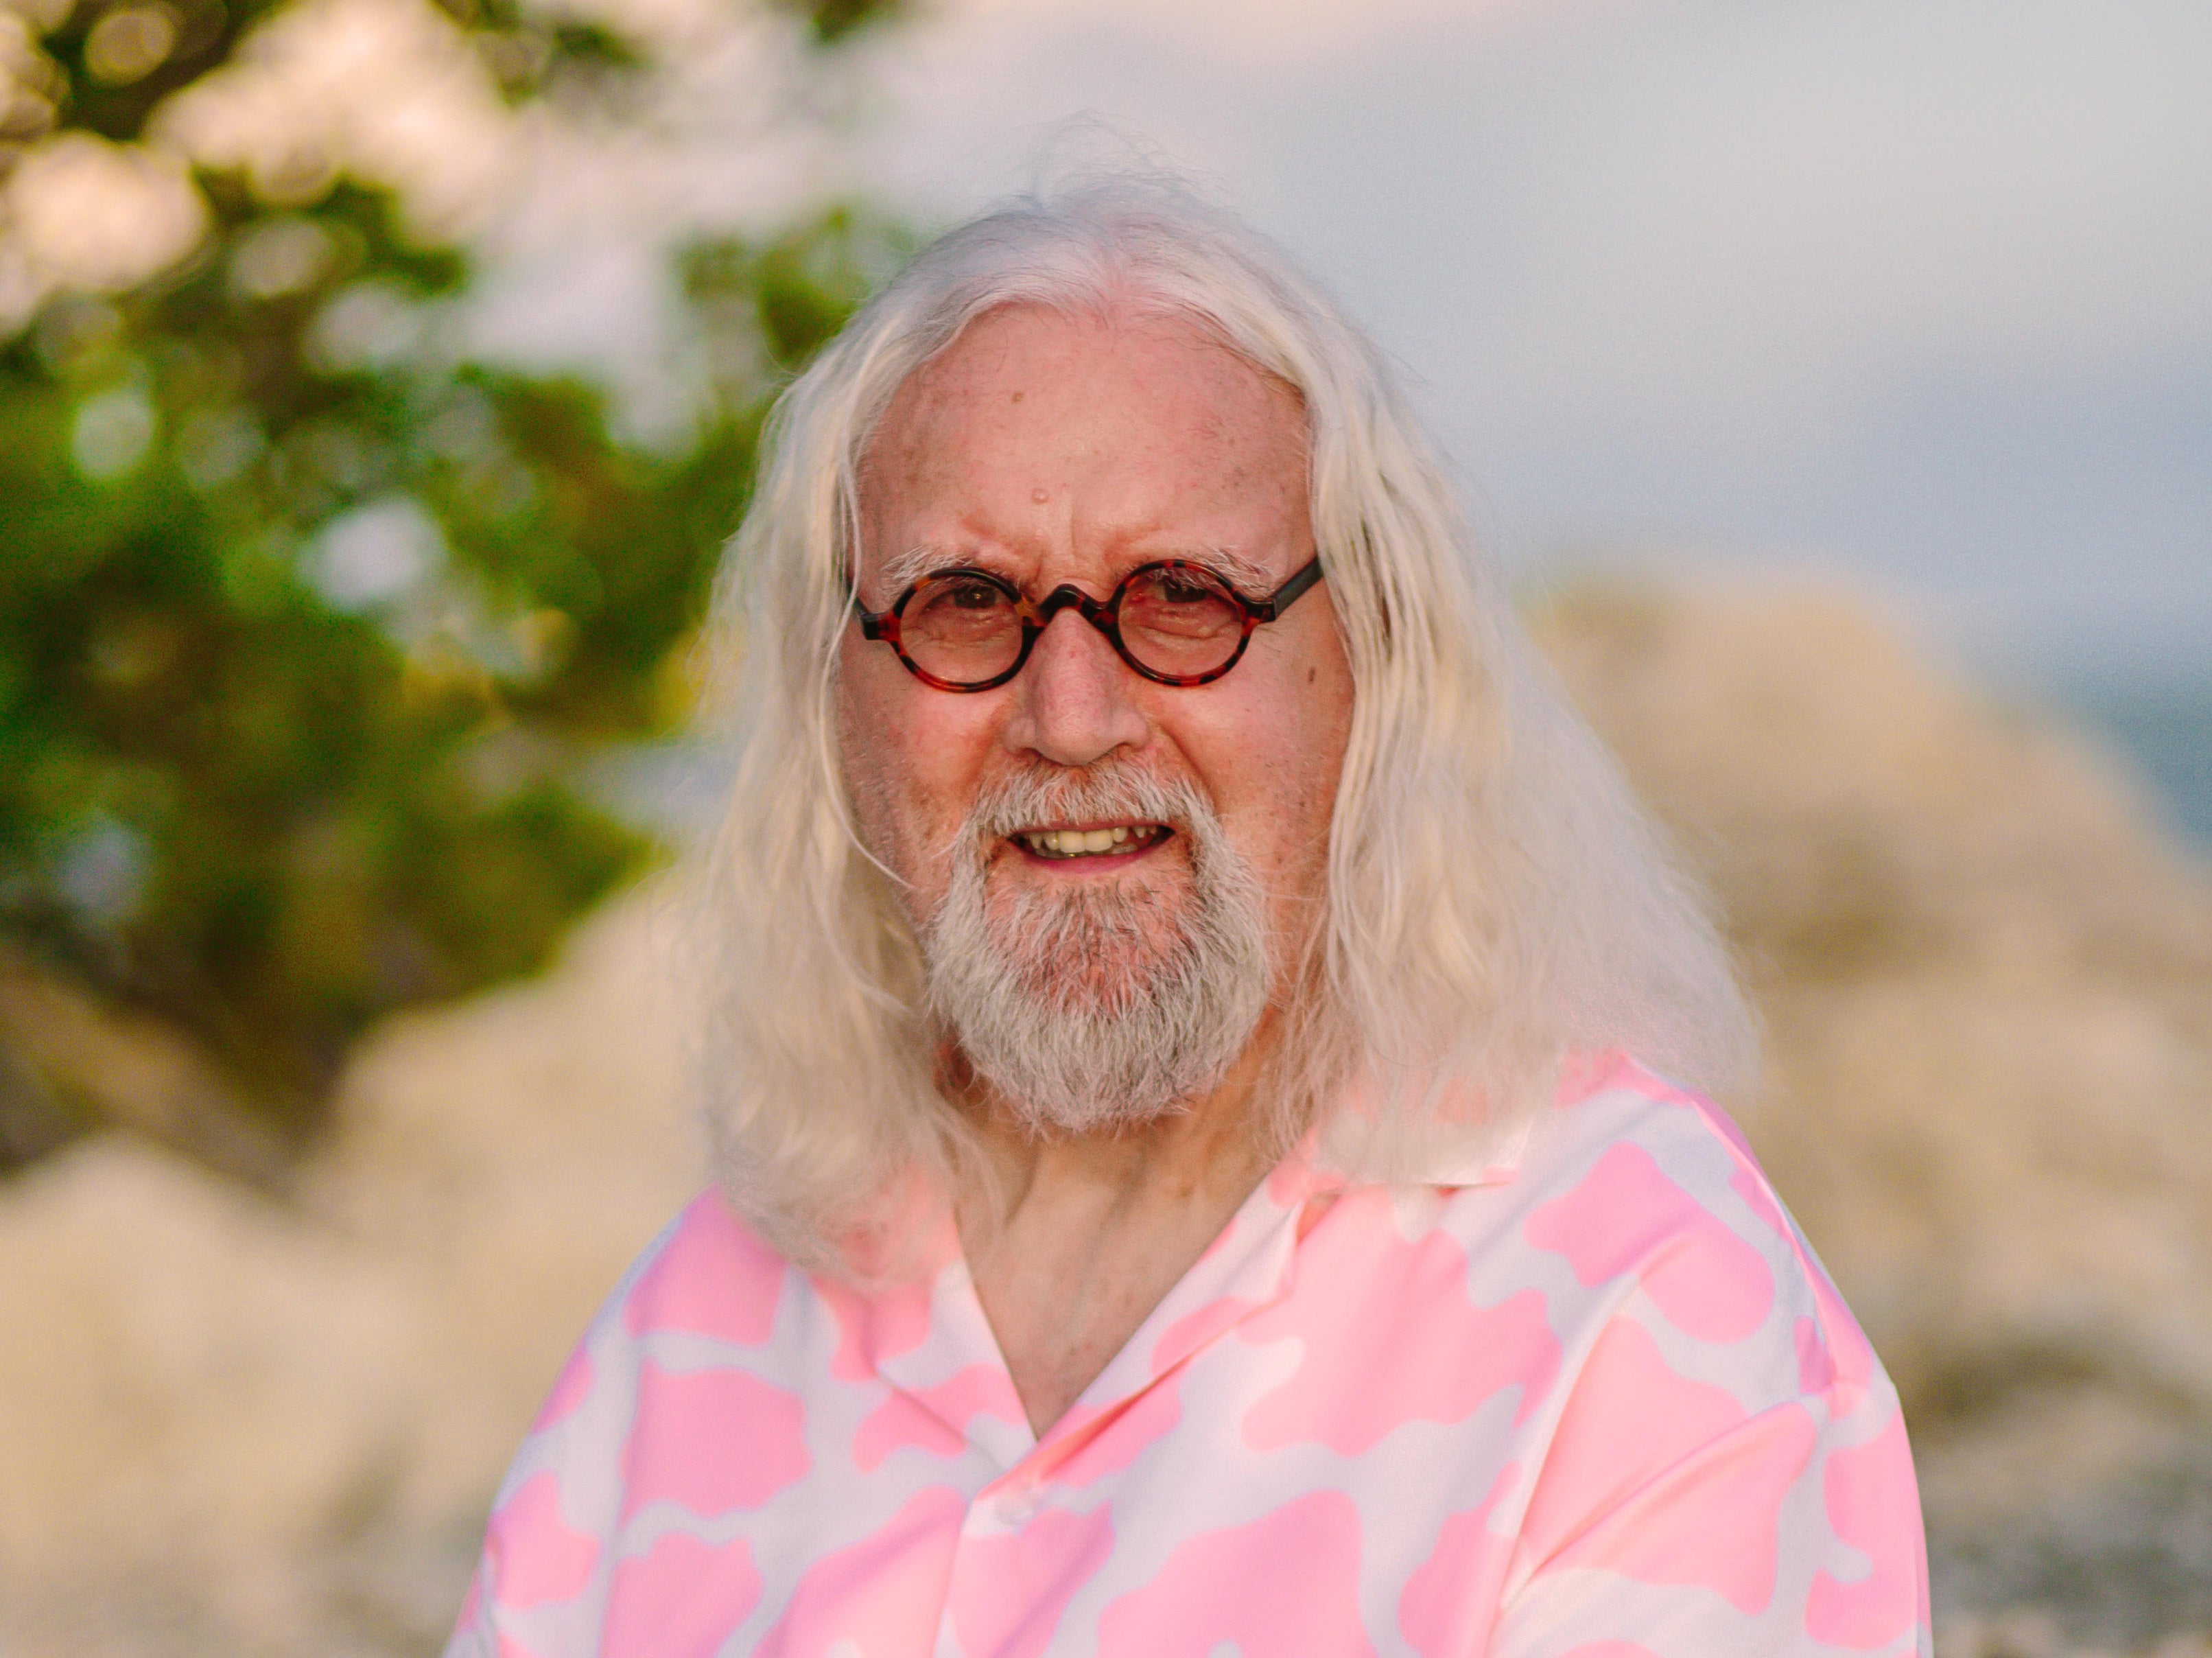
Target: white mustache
x: 1107, y: 790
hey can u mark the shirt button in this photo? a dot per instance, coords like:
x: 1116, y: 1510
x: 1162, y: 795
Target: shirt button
x: 1015, y: 1508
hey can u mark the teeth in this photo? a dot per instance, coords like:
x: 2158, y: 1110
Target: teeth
x: 1089, y: 843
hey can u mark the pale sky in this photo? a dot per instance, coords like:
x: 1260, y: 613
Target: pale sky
x: 1920, y: 291
x: 1915, y: 290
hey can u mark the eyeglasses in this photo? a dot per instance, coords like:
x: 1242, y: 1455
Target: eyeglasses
x: 1175, y: 622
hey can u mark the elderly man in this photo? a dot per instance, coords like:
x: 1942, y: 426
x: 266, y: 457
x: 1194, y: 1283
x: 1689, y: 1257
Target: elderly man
x: 1184, y: 1184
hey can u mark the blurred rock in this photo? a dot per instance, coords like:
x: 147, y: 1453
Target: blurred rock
x: 202, y: 1393
x: 231, y: 1426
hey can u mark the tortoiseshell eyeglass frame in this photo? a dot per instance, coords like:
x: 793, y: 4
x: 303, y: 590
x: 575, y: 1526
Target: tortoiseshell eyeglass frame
x: 1104, y: 614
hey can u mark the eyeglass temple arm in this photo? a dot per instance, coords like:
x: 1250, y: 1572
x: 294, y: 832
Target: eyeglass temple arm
x: 1283, y: 597
x: 872, y: 621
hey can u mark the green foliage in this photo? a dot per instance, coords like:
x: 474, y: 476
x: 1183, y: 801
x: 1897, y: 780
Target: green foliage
x: 832, y: 21
x: 306, y: 632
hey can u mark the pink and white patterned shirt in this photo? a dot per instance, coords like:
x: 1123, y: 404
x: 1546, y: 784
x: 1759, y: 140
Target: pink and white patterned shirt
x: 1598, y: 1399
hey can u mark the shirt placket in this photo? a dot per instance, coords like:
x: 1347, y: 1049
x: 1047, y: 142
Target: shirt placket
x: 1249, y: 1267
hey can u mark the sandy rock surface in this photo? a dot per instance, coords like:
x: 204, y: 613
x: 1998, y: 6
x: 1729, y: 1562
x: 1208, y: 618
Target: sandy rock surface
x: 229, y: 1429
x: 232, y: 1426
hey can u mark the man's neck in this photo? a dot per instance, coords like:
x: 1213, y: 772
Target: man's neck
x: 1084, y: 1235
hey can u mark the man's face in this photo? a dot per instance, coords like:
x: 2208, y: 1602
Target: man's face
x: 1049, y: 448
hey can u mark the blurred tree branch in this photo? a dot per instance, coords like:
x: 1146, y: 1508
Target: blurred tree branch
x: 306, y: 621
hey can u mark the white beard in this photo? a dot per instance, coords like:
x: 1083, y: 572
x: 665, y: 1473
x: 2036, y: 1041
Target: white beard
x: 1093, y: 1008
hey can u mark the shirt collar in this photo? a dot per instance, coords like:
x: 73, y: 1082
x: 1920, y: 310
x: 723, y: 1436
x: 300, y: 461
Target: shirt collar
x: 1452, y: 1138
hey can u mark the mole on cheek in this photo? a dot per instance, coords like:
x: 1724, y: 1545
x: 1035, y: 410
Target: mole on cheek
x: 1039, y: 497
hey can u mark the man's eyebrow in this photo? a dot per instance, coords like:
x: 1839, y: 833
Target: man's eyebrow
x: 903, y: 570
x: 1247, y: 576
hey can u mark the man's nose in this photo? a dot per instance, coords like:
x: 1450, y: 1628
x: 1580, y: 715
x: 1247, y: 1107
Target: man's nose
x: 1073, y: 698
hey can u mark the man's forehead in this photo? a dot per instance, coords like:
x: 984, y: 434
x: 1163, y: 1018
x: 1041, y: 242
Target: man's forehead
x: 1146, y: 431
x: 1022, y: 368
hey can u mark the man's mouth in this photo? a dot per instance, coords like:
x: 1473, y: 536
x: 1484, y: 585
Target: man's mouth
x: 1110, y: 840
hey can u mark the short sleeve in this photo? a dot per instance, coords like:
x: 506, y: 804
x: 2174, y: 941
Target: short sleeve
x: 1668, y: 1520
x: 1727, y: 1474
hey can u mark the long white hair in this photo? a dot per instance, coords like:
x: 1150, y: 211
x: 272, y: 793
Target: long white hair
x: 1495, y: 898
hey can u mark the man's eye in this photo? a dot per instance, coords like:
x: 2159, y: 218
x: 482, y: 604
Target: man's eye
x: 965, y: 602
x: 1169, y: 585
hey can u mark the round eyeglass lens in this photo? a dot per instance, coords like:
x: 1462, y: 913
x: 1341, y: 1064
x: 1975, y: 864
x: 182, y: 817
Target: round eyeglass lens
x: 1180, y: 621
x: 960, y: 628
